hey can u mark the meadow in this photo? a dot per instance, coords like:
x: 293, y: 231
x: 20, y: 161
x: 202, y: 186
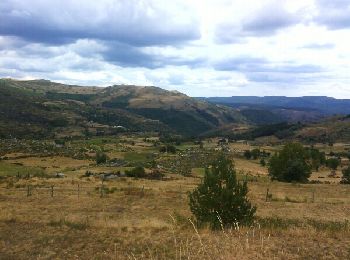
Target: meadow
x: 82, y: 216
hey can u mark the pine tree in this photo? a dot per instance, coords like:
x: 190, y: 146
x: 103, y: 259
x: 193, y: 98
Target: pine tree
x: 220, y: 199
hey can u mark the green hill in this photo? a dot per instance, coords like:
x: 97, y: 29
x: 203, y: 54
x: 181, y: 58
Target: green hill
x: 41, y: 108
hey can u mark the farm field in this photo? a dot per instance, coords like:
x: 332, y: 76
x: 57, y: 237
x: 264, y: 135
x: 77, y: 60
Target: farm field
x: 82, y: 216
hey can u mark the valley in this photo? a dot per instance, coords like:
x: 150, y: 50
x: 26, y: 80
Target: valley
x: 107, y: 172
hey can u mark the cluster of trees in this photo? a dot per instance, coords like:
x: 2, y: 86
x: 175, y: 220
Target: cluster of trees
x: 255, y: 154
x: 295, y: 163
x: 290, y: 164
x: 168, y: 149
x: 315, y: 158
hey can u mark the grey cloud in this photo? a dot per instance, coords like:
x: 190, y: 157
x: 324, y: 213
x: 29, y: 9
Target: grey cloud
x: 266, y: 21
x: 319, y: 46
x: 139, y: 23
x: 264, y: 71
x: 252, y: 64
x: 334, y: 14
x: 129, y: 56
x: 242, y: 63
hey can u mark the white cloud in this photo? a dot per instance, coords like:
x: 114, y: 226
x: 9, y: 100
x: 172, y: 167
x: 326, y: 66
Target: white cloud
x: 264, y: 47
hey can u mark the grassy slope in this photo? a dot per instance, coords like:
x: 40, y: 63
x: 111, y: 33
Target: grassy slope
x: 336, y: 129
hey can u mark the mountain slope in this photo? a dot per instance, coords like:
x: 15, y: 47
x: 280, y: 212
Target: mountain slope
x: 43, y: 108
x: 334, y: 129
x: 182, y: 113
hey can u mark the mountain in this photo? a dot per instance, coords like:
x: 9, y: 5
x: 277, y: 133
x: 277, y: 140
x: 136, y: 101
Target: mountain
x: 321, y: 104
x: 41, y: 108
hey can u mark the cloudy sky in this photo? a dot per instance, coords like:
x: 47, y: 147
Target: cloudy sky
x: 199, y: 47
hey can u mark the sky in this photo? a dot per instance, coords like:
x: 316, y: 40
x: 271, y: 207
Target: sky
x: 198, y: 47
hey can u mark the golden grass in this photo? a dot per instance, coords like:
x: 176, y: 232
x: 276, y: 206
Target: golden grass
x: 52, y: 164
x: 145, y: 219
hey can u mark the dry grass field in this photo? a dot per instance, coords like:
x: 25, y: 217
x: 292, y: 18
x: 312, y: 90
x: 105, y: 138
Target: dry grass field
x: 128, y: 218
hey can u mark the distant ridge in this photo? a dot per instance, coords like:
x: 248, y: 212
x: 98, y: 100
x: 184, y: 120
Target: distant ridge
x: 323, y: 104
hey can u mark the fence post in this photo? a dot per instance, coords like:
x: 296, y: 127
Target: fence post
x: 267, y: 194
x: 102, y: 190
x: 28, y: 191
x: 51, y: 190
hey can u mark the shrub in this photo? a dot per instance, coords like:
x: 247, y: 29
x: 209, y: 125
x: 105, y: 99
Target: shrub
x: 290, y: 164
x: 167, y: 149
x: 333, y: 163
x: 262, y: 162
x: 255, y: 153
x: 137, y: 172
x: 346, y: 176
x: 247, y: 154
x: 220, y: 199
x: 101, y: 158
x: 155, y: 175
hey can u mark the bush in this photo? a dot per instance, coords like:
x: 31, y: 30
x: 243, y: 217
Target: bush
x: 346, y: 176
x: 220, y: 199
x: 333, y: 163
x: 262, y: 162
x: 167, y: 149
x: 155, y: 175
x: 101, y: 158
x: 137, y: 172
x: 290, y: 164
x: 247, y: 154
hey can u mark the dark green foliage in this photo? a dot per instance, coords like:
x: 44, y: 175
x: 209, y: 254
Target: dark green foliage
x: 118, y: 102
x: 263, y: 162
x: 101, y: 158
x: 290, y: 164
x: 60, y: 141
x: 137, y: 172
x: 62, y: 96
x: 59, y: 122
x: 280, y: 130
x: 220, y: 200
x: 247, y: 154
x: 333, y: 163
x: 255, y: 153
x: 167, y: 149
x: 346, y: 176
x: 316, y: 158
x: 261, y: 116
x: 185, y: 123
